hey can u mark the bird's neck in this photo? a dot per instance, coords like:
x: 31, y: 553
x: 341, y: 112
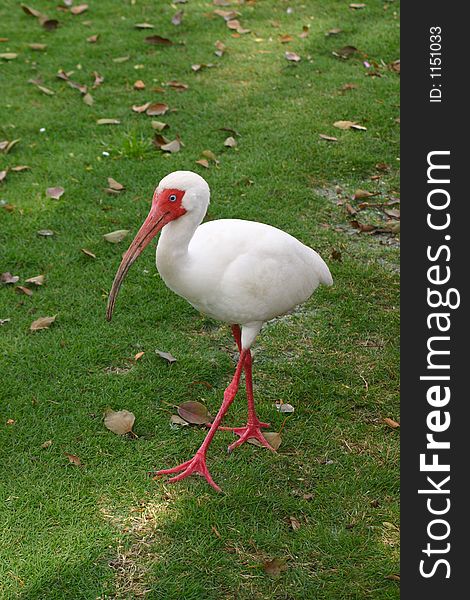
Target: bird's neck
x: 176, y: 235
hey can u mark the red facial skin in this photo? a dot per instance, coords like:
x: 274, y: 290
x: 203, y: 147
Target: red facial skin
x: 166, y: 206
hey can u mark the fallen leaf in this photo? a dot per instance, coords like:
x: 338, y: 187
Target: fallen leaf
x: 357, y: 6
x: 343, y: 124
x: 210, y: 155
x: 348, y: 86
x: 114, y: 237
x: 19, y: 168
x: 49, y: 24
x: 305, y: 31
x: 144, y: 26
x: 37, y: 280
x: 8, y: 55
x: 166, y: 355
x: 220, y: 48
x: 199, y: 67
x: 177, y: 85
x: 38, y: 47
x: 93, y: 38
x: 284, y: 408
x: 3, y: 175
x: 78, y: 10
x: 334, y: 31
x: 285, y: 39
x: 393, y: 577
x: 88, y: 252
x: 363, y: 227
x: 8, y: 278
x: 138, y: 356
x: 55, y: 192
x: 46, y: 444
x: 3, y: 321
x: 361, y: 194
x: 140, y: 108
x: 31, y: 11
x: 173, y: 146
x: 177, y: 17
x: 45, y: 232
x: 24, y: 290
x: 159, y: 125
x: 272, y: 437
x: 74, y: 459
x: 119, y: 422
x: 292, y: 56
x: 230, y: 142
x: 121, y: 59
x: 345, y: 52
x: 391, y: 423
x: 177, y: 421
x: 158, y: 40
x: 115, y: 185
x: 156, y: 109
x: 194, y: 413
x: 139, y: 85
x: 6, y: 146
x: 108, y: 122
x: 203, y: 162
x: 308, y: 496
x: 294, y: 523
x: 394, y: 213
x: 42, y: 323
x: 98, y: 79
x: 328, y: 138
x: 275, y: 567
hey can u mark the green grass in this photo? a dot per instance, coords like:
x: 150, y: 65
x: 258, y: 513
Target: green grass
x: 105, y: 530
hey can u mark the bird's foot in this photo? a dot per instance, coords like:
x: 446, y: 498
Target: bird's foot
x: 196, y: 465
x: 250, y: 431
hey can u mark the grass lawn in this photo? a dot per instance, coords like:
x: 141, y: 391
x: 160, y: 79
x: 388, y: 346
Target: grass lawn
x: 326, y: 505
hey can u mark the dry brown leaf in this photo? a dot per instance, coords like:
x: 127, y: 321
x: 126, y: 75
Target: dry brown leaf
x: 158, y: 40
x: 55, y: 192
x: 8, y: 278
x: 73, y: 459
x: 42, y: 323
x: 121, y: 59
x: 138, y: 355
x: 357, y: 6
x: 275, y: 567
x: 156, y: 109
x: 114, y: 237
x: 24, y: 290
x: 93, y: 38
x: 3, y: 174
x: 108, y: 122
x: 220, y: 48
x: 119, y: 422
x: 292, y: 56
x: 45, y: 232
x: 334, y: 31
x: 194, y: 413
x: 31, y: 11
x: 78, y: 10
x: 139, y: 85
x: 115, y: 185
x: 6, y: 146
x: 391, y: 423
x: 345, y: 52
x: 230, y: 142
x: 166, y: 355
x: 8, y: 55
x: 38, y: 47
x: 203, y: 162
x: 177, y: 17
x: 88, y: 252
x: 172, y: 147
x: 272, y: 437
x: 46, y: 444
x: 20, y: 168
x: 37, y: 280
x: 140, y: 108
x: 144, y: 26
x: 328, y: 138
x: 343, y: 124
x: 285, y: 39
x: 177, y: 421
x: 177, y: 85
x: 159, y: 125
x: 294, y: 523
x: 361, y: 194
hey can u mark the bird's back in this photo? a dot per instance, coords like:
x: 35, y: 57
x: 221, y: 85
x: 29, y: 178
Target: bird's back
x: 243, y: 271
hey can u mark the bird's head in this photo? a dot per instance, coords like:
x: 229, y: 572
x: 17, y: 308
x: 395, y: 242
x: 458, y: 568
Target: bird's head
x: 181, y: 194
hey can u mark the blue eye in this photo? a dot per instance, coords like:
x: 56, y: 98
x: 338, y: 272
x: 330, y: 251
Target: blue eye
x: 172, y: 198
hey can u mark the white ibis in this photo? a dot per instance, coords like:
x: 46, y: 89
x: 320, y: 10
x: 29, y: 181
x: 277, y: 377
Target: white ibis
x: 241, y: 272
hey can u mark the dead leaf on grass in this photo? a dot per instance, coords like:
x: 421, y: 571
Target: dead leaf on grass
x: 272, y: 437
x: 78, y: 10
x: 37, y: 47
x: 328, y: 138
x: 156, y: 109
x: 275, y: 567
x: 172, y: 147
x: 166, y: 355
x: 230, y: 142
x: 391, y: 423
x: 8, y: 278
x: 88, y: 252
x: 159, y: 125
x: 24, y: 290
x: 55, y: 192
x: 345, y: 52
x: 292, y: 57
x: 115, y: 185
x: 177, y: 421
x: 139, y: 85
x: 93, y: 38
x: 108, y: 122
x: 144, y: 26
x: 74, y: 459
x: 37, y: 280
x: 119, y: 422
x: 158, y: 40
x: 42, y: 323
x: 177, y: 18
x: 194, y: 413
x: 114, y: 237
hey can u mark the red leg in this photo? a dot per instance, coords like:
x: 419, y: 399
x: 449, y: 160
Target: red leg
x: 198, y: 463
x: 254, y: 425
